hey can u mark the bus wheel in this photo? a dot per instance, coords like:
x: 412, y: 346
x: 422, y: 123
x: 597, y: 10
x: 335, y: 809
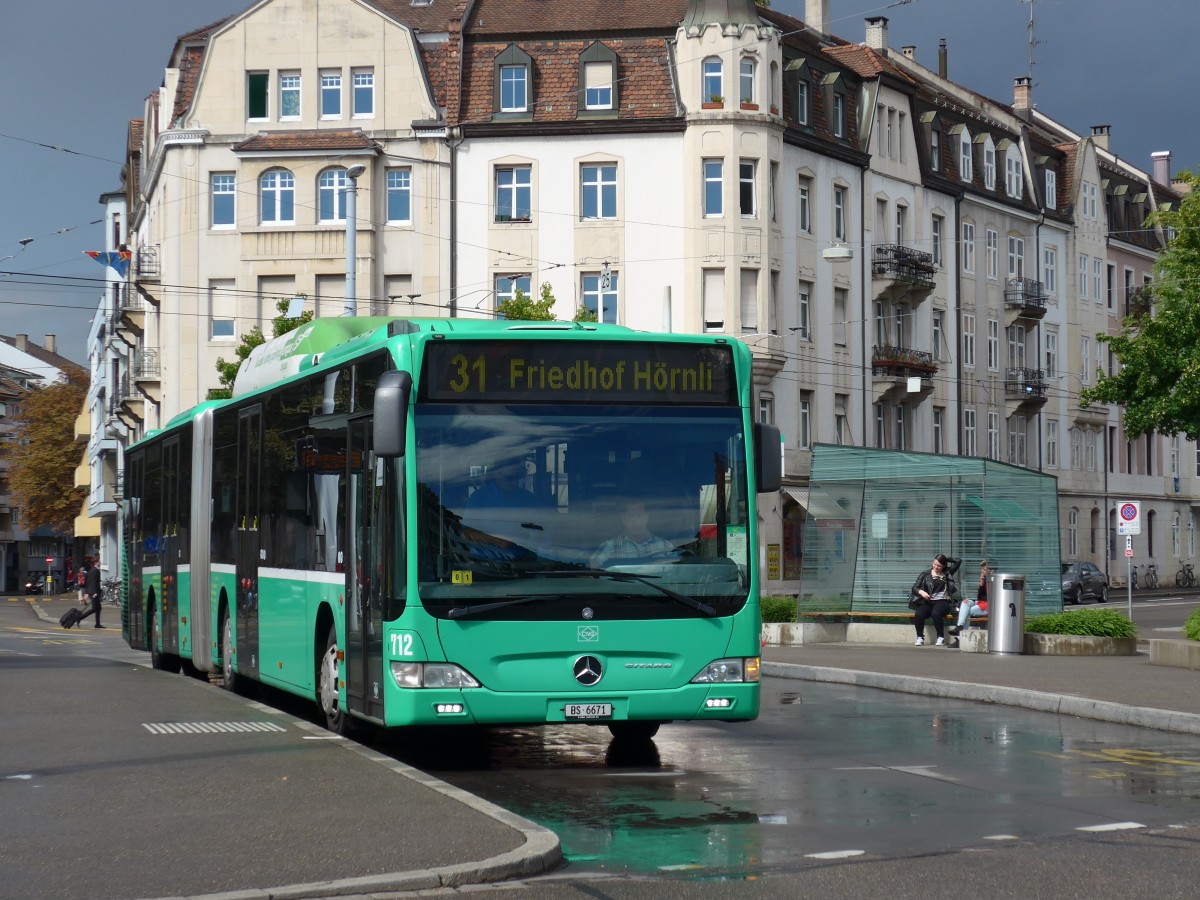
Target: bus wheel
x: 164, y: 662
x: 230, y: 679
x: 327, y: 685
x: 633, y: 731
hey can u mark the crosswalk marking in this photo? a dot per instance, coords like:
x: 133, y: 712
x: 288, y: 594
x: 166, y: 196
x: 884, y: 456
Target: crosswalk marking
x: 211, y: 727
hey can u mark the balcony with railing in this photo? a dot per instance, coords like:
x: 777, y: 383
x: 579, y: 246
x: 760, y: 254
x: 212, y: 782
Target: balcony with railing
x: 903, y: 266
x: 131, y: 317
x: 1025, y: 386
x: 1026, y: 296
x: 893, y: 367
x: 146, y: 374
x: 148, y: 267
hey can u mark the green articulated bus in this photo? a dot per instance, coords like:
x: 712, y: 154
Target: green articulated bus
x: 455, y: 521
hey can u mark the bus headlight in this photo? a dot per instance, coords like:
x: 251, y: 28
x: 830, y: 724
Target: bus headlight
x: 729, y: 671
x: 431, y: 675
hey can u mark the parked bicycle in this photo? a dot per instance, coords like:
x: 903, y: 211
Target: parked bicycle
x: 1133, y: 585
x: 1151, y: 576
x: 1185, y: 577
x: 110, y: 590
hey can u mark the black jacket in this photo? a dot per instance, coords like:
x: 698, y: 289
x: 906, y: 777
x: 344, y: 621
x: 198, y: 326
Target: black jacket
x: 924, y: 581
x: 91, y: 583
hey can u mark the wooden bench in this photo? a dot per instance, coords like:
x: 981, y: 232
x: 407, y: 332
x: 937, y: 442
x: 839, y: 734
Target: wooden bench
x: 851, y: 616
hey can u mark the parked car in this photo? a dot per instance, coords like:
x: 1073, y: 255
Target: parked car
x: 1083, y: 581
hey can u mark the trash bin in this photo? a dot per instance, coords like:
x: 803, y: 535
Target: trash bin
x: 1006, y: 613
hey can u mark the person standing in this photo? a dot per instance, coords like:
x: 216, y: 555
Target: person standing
x: 91, y: 589
x: 932, y: 591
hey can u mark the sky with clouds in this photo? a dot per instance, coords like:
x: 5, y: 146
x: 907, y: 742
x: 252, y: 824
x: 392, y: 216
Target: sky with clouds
x: 73, y: 77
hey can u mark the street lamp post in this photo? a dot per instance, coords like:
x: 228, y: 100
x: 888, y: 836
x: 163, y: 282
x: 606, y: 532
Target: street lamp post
x: 353, y: 174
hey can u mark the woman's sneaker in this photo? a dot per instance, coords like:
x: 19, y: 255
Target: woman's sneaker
x: 940, y: 642
x: 920, y: 642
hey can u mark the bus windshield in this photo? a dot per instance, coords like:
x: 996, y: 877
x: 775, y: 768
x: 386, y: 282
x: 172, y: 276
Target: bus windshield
x: 550, y: 512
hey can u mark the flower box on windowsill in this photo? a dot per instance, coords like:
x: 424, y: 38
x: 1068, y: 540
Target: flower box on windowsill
x: 713, y: 104
x: 750, y: 106
x: 774, y: 110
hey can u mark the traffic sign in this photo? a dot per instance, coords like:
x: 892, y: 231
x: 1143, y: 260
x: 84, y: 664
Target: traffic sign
x: 1129, y: 518
x: 1129, y: 551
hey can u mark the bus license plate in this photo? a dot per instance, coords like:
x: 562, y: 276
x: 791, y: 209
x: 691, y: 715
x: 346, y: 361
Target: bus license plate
x: 588, y: 711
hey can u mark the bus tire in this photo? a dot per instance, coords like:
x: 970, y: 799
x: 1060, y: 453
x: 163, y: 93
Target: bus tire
x: 633, y: 731
x: 327, y: 685
x: 230, y: 678
x: 164, y: 662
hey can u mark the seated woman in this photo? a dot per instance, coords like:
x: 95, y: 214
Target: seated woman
x: 932, y: 592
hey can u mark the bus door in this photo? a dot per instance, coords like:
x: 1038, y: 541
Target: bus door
x: 135, y: 619
x: 168, y: 623
x: 364, y: 576
x: 248, y: 512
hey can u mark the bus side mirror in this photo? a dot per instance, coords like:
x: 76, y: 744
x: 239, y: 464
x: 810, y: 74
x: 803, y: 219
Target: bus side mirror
x: 768, y: 458
x: 391, y: 413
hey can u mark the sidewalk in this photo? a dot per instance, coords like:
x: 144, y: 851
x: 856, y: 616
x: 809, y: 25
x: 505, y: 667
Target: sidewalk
x: 1124, y: 689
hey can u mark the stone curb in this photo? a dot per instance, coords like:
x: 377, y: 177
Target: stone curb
x: 1039, y: 701
x: 540, y: 853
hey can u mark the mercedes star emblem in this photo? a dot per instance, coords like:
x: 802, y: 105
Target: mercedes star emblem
x: 588, y: 670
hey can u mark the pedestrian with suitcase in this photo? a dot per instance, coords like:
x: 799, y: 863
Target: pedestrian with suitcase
x: 91, y: 589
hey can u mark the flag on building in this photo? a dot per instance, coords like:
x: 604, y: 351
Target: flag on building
x: 116, y: 259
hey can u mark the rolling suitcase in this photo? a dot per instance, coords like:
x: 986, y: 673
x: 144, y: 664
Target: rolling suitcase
x: 71, y: 617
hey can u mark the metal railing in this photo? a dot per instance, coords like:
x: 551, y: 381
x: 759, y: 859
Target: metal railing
x: 145, y: 363
x: 903, y: 264
x: 148, y: 265
x: 1026, y: 294
x: 1028, y: 384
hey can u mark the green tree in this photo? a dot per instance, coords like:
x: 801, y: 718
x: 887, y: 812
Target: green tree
x: 523, y: 308
x: 1158, y: 381
x: 42, y: 454
x: 280, y: 325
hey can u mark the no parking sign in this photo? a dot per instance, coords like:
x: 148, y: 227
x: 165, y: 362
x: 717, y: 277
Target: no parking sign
x: 1129, y: 517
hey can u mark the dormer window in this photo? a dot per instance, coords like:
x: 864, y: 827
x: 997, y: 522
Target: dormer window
x: 966, y: 171
x: 597, y: 79
x: 1051, y: 189
x: 1014, y: 173
x: 513, y: 81
x: 989, y: 164
x: 796, y: 80
x: 835, y: 96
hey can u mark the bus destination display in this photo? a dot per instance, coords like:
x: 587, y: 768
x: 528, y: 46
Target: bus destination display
x: 577, y: 372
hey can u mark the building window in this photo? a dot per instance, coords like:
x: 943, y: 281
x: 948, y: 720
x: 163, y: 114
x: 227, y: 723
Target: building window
x: 748, y: 300
x: 968, y: 340
x: 331, y: 195
x: 277, y: 197
x: 880, y: 424
x: 803, y: 310
x: 841, y: 421
x: 364, y: 92
x: 989, y: 164
x: 514, y: 187
x: 968, y: 248
x: 1176, y: 523
x: 1191, y: 536
x: 965, y: 171
x: 513, y: 97
x: 747, y: 201
x: 1014, y: 174
x: 713, y: 77
x: 1016, y: 257
x: 773, y: 174
x: 1051, y: 354
x: 938, y: 337
x: 766, y: 409
x: 222, y: 309
x: 901, y: 222
x: 801, y: 101
x: 939, y: 416
x: 839, y: 213
x: 746, y: 81
x: 714, y: 299
x: 1084, y: 269
x: 992, y: 240
x: 257, y: 92
x: 1098, y: 279
x: 804, y: 438
x: 1051, y: 189
x: 935, y: 149
x: 993, y: 328
x: 598, y: 85
x: 1016, y: 346
x: 289, y: 95
x: 599, y: 185
x: 600, y: 295
x: 1073, y: 533
x: 1050, y: 270
x: 331, y: 95
x: 224, y: 200
x: 1016, y: 440
x: 714, y: 187
x: 1090, y: 459
x: 1052, y: 443
x: 937, y: 224
x: 804, y: 204
x: 901, y: 429
x: 969, y: 445
x: 507, y: 287
x: 839, y: 115
x: 1085, y: 357
x: 840, y: 298
x: 399, y: 196
x: 1076, y: 449
x: 993, y: 435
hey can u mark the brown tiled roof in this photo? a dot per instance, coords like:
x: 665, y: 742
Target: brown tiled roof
x: 578, y: 17
x: 314, y: 139
x: 429, y: 17
x: 867, y: 62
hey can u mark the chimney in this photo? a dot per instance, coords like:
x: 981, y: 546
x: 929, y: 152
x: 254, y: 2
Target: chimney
x: 910, y: 52
x: 942, y: 66
x: 1022, y: 91
x: 816, y: 15
x: 877, y: 33
x: 21, y: 342
x: 50, y: 344
x: 1101, y: 134
x: 1162, y: 166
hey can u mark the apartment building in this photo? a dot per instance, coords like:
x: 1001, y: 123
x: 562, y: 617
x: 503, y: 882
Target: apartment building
x: 901, y: 254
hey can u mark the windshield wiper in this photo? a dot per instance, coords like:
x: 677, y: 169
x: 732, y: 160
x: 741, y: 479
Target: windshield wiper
x: 459, y: 612
x: 630, y: 576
